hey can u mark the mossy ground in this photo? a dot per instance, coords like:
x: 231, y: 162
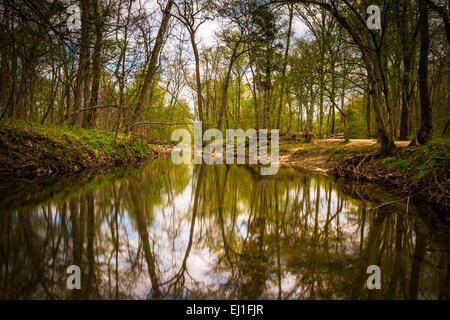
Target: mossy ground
x: 32, y: 149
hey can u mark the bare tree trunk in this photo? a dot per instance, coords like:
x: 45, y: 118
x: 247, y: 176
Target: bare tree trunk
x: 289, y: 130
x: 198, y: 79
x: 426, y: 124
x: 89, y: 116
x: 223, y: 103
x: 285, y: 61
x: 368, y: 118
x: 408, y: 51
x: 151, y: 70
x: 343, y: 115
x: 83, y: 65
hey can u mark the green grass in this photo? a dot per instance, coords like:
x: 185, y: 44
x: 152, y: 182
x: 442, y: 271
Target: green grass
x: 388, y: 160
x: 401, y: 163
x: 23, y: 142
x: 338, y: 152
x: 416, y: 161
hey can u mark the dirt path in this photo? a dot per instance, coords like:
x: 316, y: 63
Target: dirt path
x: 318, y: 164
x: 322, y: 163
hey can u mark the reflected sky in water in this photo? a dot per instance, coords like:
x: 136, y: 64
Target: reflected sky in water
x: 164, y: 231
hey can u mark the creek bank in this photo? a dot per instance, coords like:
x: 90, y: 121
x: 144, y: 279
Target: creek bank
x: 419, y: 171
x: 29, y: 150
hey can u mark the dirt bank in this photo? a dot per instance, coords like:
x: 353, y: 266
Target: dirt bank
x: 421, y: 171
x: 33, y: 150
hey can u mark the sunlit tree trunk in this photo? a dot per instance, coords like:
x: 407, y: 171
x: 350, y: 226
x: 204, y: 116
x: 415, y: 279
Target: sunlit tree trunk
x: 151, y: 69
x: 83, y: 64
x: 285, y: 62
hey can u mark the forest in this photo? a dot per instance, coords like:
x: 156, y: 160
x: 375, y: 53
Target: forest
x: 91, y: 92
x: 145, y: 66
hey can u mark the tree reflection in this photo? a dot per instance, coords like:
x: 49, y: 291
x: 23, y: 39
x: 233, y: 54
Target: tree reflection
x: 173, y: 232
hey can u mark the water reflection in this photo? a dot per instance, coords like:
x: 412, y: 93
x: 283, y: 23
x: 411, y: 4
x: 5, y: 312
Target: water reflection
x: 167, y: 231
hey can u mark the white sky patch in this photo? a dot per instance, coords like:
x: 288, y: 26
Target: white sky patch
x: 298, y: 26
x: 206, y: 33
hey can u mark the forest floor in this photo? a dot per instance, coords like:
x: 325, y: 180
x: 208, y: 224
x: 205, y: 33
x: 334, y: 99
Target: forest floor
x: 415, y: 170
x: 321, y: 162
x: 32, y: 150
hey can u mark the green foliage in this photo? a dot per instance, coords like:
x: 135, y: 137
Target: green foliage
x: 396, y: 162
x: 401, y: 163
x: 388, y: 160
x: 66, y: 146
x: 419, y: 176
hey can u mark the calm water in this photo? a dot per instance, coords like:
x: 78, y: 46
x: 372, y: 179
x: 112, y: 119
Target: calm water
x: 166, y: 231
